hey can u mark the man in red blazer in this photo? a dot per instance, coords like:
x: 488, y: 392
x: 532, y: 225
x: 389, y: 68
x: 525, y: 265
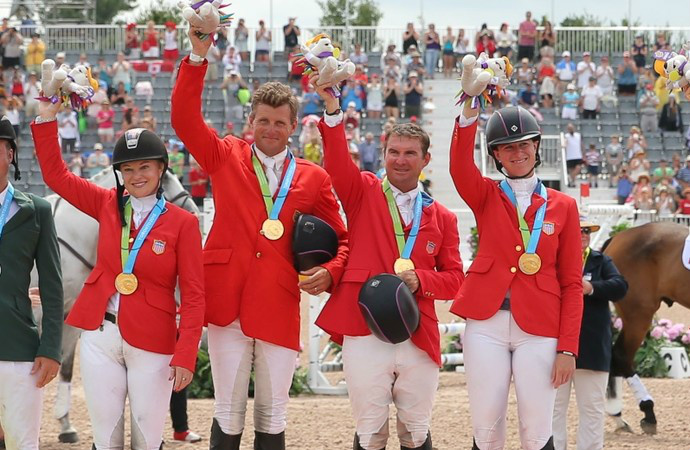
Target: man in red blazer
x: 252, y: 290
x: 522, y: 297
x: 378, y: 372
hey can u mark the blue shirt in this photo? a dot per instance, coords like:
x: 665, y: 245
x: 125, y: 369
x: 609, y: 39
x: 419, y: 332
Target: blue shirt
x: 312, y: 103
x: 570, y: 99
x: 684, y: 174
x: 368, y: 151
x: 625, y: 187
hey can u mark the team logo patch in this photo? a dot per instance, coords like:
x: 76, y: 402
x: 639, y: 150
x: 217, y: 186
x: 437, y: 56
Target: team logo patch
x: 514, y: 128
x: 430, y: 247
x: 158, y: 247
x: 549, y: 228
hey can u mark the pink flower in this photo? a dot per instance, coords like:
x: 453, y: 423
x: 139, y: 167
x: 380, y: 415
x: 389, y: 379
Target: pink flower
x: 657, y: 332
x: 664, y: 323
x: 686, y: 338
x: 618, y: 323
x: 672, y: 333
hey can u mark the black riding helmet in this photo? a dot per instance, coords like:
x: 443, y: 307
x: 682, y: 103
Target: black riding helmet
x: 508, y: 125
x: 7, y: 133
x: 137, y: 144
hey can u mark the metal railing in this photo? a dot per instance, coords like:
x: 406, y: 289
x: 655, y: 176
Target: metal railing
x: 601, y: 40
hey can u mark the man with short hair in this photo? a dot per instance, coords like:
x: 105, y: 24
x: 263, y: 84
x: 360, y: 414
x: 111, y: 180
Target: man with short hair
x: 28, y: 360
x: 252, y: 289
x: 586, y: 69
x: 527, y: 37
x: 369, y: 153
x: 683, y: 176
x: 378, y: 372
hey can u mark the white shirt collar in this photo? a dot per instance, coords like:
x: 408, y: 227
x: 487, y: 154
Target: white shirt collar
x: 144, y: 204
x: 397, y: 193
x: 279, y: 158
x: 524, y: 186
x: 3, y: 194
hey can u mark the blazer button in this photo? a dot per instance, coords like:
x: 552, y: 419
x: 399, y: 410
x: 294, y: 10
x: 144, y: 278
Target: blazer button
x: 513, y: 270
x: 258, y: 254
x: 518, y: 248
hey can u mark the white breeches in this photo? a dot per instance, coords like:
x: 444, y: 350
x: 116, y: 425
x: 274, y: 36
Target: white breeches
x: 232, y: 356
x: 495, y: 350
x: 113, y: 370
x: 590, y: 393
x: 20, y: 405
x: 378, y: 374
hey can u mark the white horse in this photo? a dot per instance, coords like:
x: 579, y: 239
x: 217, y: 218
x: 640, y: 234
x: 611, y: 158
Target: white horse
x: 78, y: 239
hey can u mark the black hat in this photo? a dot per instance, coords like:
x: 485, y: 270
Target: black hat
x: 7, y: 133
x: 389, y: 308
x: 137, y: 144
x: 508, y: 125
x: 314, y: 242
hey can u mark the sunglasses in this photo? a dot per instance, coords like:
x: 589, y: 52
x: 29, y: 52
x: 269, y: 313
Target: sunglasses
x: 586, y: 231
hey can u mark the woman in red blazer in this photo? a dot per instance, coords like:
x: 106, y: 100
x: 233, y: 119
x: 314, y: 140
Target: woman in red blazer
x: 522, y: 297
x: 131, y: 345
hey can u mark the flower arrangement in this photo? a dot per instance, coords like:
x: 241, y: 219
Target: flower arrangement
x: 662, y: 333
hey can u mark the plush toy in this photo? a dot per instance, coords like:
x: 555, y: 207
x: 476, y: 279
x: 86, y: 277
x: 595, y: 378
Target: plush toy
x: 482, y: 77
x: 64, y: 84
x: 207, y: 16
x: 319, y: 53
x: 674, y: 67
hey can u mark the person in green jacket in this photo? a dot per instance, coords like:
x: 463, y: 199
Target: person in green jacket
x: 29, y: 360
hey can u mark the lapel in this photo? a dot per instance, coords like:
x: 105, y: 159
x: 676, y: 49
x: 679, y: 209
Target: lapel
x: 592, y: 262
x: 26, y: 210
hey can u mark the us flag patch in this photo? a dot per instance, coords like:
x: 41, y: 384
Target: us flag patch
x: 430, y: 247
x: 549, y: 228
x: 158, y: 247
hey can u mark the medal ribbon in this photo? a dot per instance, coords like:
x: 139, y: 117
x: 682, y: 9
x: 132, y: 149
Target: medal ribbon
x: 404, y: 248
x: 129, y: 257
x: 5, y: 211
x: 530, y: 241
x: 273, y: 209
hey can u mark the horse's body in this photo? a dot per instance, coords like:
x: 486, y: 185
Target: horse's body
x: 78, y: 238
x: 650, y: 259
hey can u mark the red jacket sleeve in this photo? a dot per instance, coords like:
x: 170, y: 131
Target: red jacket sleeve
x: 326, y: 208
x: 468, y: 180
x: 346, y: 176
x: 569, y: 272
x: 208, y: 149
x: 192, y: 305
x: 81, y: 193
x: 444, y: 281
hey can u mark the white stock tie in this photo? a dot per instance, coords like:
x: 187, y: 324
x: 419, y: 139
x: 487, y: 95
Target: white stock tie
x: 270, y: 165
x: 404, y: 205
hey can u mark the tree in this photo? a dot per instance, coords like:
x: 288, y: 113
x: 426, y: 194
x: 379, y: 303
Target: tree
x: 82, y: 11
x: 160, y: 13
x: 106, y: 10
x: 361, y: 12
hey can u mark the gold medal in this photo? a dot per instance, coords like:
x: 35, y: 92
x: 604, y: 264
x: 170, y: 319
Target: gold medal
x: 126, y: 283
x: 402, y: 264
x: 529, y: 263
x: 272, y: 229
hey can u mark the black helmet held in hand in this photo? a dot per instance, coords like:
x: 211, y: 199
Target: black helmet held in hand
x: 7, y: 133
x: 508, y: 125
x: 138, y: 144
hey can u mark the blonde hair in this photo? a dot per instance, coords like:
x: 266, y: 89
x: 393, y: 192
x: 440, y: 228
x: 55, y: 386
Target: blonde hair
x: 275, y: 95
x: 411, y: 131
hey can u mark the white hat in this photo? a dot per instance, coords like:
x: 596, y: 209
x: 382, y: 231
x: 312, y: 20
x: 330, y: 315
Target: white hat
x: 98, y: 146
x: 352, y: 105
x: 60, y: 55
x: 571, y: 86
x: 565, y: 53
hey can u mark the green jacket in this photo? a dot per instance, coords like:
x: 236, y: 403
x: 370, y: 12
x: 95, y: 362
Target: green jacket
x: 27, y: 237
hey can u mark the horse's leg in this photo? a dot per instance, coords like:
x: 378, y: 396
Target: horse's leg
x: 614, y: 404
x: 68, y: 433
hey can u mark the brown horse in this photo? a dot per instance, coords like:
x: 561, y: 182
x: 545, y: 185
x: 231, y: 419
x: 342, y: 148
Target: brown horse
x: 650, y: 259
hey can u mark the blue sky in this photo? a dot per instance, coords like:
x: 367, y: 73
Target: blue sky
x: 470, y: 13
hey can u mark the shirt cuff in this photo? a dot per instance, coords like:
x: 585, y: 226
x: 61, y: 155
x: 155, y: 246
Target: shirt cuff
x: 465, y: 122
x: 40, y: 119
x: 333, y: 121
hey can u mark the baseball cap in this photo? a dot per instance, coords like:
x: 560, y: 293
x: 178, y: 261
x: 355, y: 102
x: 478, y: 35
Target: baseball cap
x: 352, y: 105
x: 687, y: 159
x: 626, y: 54
x: 571, y: 87
x: 586, y: 54
x: 98, y: 146
x: 60, y: 55
x: 565, y: 53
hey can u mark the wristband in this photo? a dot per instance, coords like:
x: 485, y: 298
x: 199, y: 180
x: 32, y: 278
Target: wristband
x: 565, y: 352
x: 195, y: 58
x: 40, y: 119
x: 334, y: 113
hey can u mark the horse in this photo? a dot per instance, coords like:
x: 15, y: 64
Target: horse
x: 77, y: 237
x: 650, y: 259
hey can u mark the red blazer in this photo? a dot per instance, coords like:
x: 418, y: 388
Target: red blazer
x: 248, y: 276
x: 146, y: 318
x: 373, y: 249
x: 548, y: 303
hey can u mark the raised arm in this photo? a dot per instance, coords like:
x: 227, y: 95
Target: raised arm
x: 81, y: 193
x: 186, y: 118
x: 345, y: 175
x: 468, y: 181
